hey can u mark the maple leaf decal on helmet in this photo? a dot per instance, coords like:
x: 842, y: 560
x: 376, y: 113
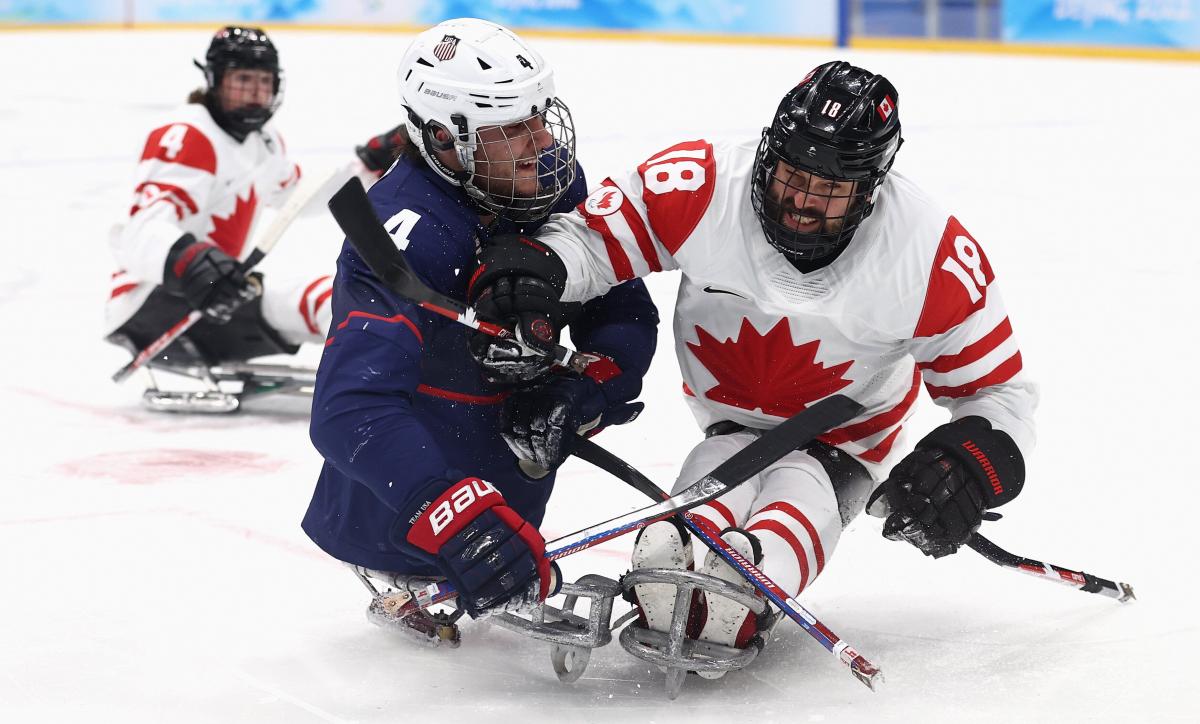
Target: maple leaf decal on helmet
x: 768, y: 371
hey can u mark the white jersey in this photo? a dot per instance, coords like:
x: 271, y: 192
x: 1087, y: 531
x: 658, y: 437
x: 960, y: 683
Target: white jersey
x: 911, y: 299
x: 193, y: 177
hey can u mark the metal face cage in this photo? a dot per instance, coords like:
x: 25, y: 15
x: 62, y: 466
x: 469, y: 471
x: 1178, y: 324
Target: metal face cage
x: 519, y: 171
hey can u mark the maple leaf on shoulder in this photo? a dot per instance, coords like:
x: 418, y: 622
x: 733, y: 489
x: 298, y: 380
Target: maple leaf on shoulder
x: 767, y: 372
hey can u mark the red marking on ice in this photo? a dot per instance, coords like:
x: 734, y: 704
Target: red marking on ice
x: 145, y: 467
x: 242, y: 531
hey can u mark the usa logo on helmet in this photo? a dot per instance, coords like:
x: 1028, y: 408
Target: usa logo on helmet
x: 445, y: 50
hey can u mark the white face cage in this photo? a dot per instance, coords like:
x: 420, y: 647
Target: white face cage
x: 520, y: 170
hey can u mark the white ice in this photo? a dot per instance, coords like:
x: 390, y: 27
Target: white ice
x: 153, y: 568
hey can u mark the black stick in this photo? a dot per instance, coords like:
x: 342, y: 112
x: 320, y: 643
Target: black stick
x: 353, y: 212
x: 1076, y: 579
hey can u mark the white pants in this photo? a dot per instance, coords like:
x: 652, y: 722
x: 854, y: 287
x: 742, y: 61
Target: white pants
x: 298, y: 308
x: 792, y: 507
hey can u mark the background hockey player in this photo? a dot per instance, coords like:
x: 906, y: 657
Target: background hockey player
x: 203, y: 179
x: 416, y: 470
x: 809, y: 268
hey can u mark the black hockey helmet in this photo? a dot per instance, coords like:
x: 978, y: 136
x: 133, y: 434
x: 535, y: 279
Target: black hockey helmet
x: 235, y: 47
x: 842, y: 124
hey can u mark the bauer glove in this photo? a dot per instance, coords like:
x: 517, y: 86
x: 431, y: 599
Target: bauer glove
x: 494, y: 557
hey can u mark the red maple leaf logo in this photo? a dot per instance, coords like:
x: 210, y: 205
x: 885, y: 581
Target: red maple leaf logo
x: 767, y: 371
x: 606, y: 200
x: 229, y: 232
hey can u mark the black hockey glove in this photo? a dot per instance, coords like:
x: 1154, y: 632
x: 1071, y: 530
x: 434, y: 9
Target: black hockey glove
x: 936, y: 496
x: 378, y: 153
x: 518, y: 283
x: 531, y: 309
x: 211, y: 281
x: 494, y: 557
x: 540, y: 424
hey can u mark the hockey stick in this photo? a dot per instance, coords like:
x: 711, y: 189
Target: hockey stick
x: 797, y: 431
x: 859, y: 666
x: 355, y: 215
x: 1086, y: 582
x: 305, y: 192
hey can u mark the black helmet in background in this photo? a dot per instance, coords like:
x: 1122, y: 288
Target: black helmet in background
x: 237, y: 47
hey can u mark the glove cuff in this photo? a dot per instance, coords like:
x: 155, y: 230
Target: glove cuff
x: 515, y: 255
x: 181, y: 254
x: 440, y: 511
x: 990, y: 456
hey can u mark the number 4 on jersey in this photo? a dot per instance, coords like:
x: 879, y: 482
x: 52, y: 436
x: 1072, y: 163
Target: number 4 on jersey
x: 401, y: 225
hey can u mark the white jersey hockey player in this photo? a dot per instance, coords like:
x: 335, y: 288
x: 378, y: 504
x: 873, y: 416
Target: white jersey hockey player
x: 808, y: 269
x: 203, y: 178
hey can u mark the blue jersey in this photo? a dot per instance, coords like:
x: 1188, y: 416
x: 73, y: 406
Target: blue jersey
x: 399, y: 401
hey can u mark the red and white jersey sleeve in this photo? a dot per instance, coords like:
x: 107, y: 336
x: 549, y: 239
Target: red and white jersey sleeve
x: 963, y: 341
x: 635, y: 224
x: 192, y: 177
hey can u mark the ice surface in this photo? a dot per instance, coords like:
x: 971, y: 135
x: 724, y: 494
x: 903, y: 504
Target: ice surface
x: 153, y: 566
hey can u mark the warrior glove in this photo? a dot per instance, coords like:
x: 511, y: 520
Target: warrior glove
x: 209, y: 280
x: 494, y: 558
x: 936, y: 496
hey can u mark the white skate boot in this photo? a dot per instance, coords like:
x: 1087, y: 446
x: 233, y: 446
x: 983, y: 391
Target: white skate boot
x: 665, y: 544
x: 724, y: 621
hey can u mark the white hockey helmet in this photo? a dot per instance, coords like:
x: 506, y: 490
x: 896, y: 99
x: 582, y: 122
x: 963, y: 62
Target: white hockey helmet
x: 466, y: 74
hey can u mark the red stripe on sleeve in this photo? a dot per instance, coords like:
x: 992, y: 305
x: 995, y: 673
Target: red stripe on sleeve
x: 972, y: 352
x: 1003, y: 373
x: 152, y: 191
x: 616, y: 255
x: 645, y: 245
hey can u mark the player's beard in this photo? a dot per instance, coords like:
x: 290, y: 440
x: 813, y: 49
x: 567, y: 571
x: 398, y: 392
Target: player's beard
x: 504, y: 180
x: 781, y: 213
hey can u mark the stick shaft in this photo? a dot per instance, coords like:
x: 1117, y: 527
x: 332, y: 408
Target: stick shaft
x: 1085, y: 582
x: 860, y: 667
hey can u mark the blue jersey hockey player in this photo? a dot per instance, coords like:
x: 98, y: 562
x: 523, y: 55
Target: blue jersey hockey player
x: 417, y: 471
